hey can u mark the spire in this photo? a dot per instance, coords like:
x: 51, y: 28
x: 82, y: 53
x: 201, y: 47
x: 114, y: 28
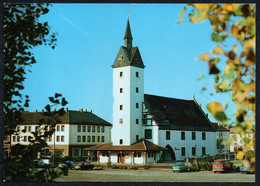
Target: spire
x: 128, y: 36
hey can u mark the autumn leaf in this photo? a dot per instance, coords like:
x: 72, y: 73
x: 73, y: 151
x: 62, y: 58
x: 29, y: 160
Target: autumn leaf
x: 204, y: 57
x: 217, y: 111
x: 181, y: 15
x: 202, y: 77
x: 240, y: 155
x: 218, y: 50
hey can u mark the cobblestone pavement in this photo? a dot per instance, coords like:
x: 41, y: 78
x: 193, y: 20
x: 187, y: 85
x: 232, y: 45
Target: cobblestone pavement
x: 153, y: 175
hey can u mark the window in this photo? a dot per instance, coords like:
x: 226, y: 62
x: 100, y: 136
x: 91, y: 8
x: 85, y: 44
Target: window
x: 102, y: 138
x: 18, y: 138
x: 83, y: 138
x: 84, y: 129
x: 98, y: 138
x: 193, y: 135
x: 50, y: 138
x: 121, y: 142
x: 137, y: 137
x: 62, y: 138
x: 103, y: 129
x: 98, y: 129
x: 221, y: 136
x: 93, y: 128
x: 93, y: 138
x: 18, y: 129
x: 137, y: 74
x: 88, y: 138
x: 203, y: 150
x: 58, y: 138
x: 168, y: 135
x: 121, y: 107
x: 89, y: 128
x: 137, y: 89
x: 79, y: 128
x: 25, y: 138
x: 25, y: 128
x: 139, y: 154
x: 58, y: 128
x: 14, y: 138
x: 137, y: 105
x: 203, y: 136
x: 29, y: 129
x: 121, y: 74
x: 62, y: 128
x: 148, y: 134
x: 79, y: 139
x: 36, y: 128
x: 182, y: 135
x: 137, y: 121
x: 193, y: 151
x: 121, y: 90
x: 183, y: 151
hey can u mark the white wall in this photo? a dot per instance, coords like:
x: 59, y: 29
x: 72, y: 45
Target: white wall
x: 129, y: 129
x: 176, y: 142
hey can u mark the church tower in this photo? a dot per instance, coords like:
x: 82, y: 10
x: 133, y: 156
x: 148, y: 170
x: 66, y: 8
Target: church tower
x: 128, y: 92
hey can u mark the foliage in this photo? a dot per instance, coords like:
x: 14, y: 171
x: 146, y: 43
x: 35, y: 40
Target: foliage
x: 208, y: 159
x: 109, y: 165
x: 134, y: 167
x: 207, y: 166
x: 147, y: 167
x: 22, y: 32
x: 231, y: 22
x: 195, y: 167
x: 58, y: 156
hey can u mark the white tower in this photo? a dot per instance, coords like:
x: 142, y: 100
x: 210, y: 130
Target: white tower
x: 128, y: 92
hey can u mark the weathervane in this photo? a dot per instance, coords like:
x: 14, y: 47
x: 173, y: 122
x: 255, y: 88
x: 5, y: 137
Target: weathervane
x: 127, y: 14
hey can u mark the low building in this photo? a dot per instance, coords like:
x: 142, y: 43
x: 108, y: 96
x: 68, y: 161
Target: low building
x: 222, y: 135
x: 238, y: 140
x: 76, y: 131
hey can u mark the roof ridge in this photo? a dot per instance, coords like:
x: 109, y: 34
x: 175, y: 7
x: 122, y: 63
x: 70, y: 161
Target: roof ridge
x: 168, y: 97
x: 145, y: 147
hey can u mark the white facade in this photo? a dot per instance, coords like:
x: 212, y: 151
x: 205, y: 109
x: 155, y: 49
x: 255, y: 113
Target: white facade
x: 238, y: 140
x: 128, y: 92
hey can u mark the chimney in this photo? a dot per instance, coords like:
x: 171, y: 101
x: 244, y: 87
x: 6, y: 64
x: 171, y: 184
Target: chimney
x: 85, y: 110
x: 42, y: 110
x: 66, y: 109
x: 36, y: 110
x: 80, y: 110
x: 200, y: 105
x: 193, y: 97
x: 91, y: 111
x: 54, y: 109
x: 207, y: 114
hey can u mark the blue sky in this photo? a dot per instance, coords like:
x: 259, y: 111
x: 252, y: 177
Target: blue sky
x: 89, y: 37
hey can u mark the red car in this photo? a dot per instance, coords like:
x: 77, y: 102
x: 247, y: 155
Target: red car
x: 221, y: 165
x: 84, y: 166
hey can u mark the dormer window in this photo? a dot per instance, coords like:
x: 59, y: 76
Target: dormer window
x: 121, y: 74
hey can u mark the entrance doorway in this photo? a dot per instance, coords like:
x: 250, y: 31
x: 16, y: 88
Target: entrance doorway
x: 119, y: 159
x: 169, y: 154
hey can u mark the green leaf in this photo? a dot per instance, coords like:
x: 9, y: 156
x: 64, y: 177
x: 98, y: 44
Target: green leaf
x: 63, y: 102
x: 202, y: 77
x: 48, y: 108
x: 217, y: 37
x: 216, y: 110
x: 57, y: 95
x: 224, y: 85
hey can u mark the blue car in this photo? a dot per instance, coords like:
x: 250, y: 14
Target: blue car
x: 244, y: 169
x: 179, y: 167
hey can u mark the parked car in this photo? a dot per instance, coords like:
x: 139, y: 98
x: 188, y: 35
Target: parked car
x: 78, y: 165
x: 67, y: 164
x: 87, y: 166
x: 221, y: 165
x: 245, y: 168
x: 43, y: 162
x: 179, y: 167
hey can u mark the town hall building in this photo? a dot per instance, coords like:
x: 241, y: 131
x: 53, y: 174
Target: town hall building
x: 150, y: 128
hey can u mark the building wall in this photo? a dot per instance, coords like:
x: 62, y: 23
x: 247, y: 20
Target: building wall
x: 128, y: 130
x: 176, y: 143
x: 238, y: 140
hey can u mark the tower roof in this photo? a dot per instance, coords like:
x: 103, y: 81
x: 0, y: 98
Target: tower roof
x: 128, y: 34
